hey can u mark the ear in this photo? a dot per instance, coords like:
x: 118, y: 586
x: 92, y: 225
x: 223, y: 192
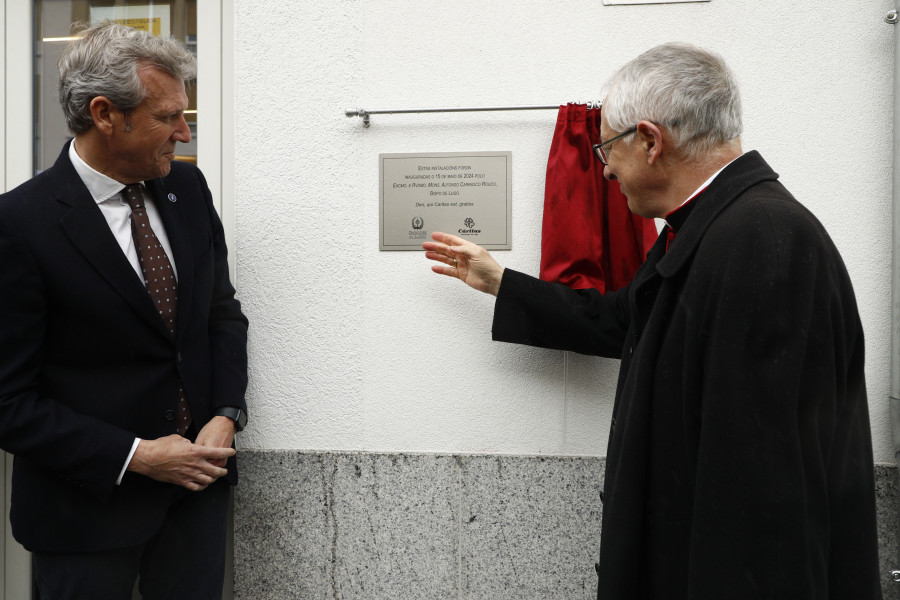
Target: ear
x: 107, y: 118
x: 650, y: 136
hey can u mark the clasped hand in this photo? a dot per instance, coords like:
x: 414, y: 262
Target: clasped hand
x: 468, y: 262
x: 195, y: 466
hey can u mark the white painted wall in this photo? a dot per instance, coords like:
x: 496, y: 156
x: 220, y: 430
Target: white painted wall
x: 357, y: 349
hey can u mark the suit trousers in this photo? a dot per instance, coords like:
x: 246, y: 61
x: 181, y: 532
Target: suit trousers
x: 185, y: 559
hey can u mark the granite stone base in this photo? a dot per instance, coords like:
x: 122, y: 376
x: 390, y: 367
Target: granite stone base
x: 341, y: 526
x: 886, y: 499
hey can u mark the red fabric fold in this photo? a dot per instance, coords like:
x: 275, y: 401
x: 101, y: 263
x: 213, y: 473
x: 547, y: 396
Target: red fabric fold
x: 590, y: 239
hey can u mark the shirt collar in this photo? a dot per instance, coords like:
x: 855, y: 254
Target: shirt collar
x: 100, y: 186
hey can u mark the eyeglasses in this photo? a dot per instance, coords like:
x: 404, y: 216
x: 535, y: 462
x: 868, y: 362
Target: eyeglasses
x: 603, y: 153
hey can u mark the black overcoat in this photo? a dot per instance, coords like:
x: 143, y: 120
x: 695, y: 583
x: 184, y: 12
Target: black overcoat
x: 739, y: 462
x: 87, y: 365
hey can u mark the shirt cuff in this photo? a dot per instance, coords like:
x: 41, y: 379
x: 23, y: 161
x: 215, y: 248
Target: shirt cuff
x: 128, y: 460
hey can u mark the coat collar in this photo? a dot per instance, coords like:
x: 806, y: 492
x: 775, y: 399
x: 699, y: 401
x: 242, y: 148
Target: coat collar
x: 744, y: 172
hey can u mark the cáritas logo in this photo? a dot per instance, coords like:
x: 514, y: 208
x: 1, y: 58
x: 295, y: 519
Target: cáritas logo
x: 470, y: 227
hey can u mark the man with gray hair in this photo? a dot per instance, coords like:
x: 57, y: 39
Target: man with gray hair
x: 123, y: 360
x: 740, y: 461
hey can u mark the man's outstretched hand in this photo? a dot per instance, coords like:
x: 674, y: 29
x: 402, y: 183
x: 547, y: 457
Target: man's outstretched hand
x: 468, y: 262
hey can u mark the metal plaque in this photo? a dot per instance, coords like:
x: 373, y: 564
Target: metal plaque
x: 468, y: 194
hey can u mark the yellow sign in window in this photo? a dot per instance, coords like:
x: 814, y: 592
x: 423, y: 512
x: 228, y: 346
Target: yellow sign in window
x: 150, y: 25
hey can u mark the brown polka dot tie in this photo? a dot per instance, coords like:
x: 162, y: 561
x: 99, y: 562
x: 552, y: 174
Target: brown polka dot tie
x: 159, y: 278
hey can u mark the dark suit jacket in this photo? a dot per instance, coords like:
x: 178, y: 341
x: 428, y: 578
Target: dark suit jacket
x: 740, y: 458
x: 86, y: 364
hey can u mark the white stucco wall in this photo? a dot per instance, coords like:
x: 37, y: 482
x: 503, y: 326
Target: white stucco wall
x: 357, y: 349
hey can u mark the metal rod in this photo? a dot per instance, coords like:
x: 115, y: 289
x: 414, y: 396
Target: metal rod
x: 894, y: 396
x: 364, y: 113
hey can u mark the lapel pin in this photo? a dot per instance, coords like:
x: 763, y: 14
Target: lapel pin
x: 172, y: 198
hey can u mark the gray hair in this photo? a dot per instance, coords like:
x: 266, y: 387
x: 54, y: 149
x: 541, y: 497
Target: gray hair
x: 687, y: 89
x: 104, y: 61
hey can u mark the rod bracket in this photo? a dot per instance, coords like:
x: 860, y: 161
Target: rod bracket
x: 892, y: 18
x: 358, y: 112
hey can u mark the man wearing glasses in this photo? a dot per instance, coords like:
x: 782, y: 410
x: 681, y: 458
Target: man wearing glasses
x: 739, y: 462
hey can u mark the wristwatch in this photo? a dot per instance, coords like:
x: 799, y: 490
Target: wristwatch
x: 235, y: 414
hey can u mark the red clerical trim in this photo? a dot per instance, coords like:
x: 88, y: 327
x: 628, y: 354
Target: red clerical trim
x: 670, y: 234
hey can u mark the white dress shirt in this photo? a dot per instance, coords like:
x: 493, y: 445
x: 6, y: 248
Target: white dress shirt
x: 107, y: 193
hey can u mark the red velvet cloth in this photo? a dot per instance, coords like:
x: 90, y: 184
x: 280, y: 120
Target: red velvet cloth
x: 590, y: 239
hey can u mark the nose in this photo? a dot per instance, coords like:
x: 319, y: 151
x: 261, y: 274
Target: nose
x: 608, y: 174
x: 182, y: 131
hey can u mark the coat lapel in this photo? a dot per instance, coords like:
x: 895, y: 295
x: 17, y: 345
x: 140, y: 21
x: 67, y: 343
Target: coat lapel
x: 85, y: 226
x: 170, y: 210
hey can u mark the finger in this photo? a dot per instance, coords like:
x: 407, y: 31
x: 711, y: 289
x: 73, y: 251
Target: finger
x: 448, y: 271
x: 440, y: 252
x: 446, y: 259
x: 447, y: 239
x: 207, y: 478
x: 197, y: 485
x: 215, y: 452
x: 213, y: 472
x: 465, y: 250
x: 439, y: 236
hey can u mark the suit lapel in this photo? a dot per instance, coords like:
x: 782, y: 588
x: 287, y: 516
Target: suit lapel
x: 170, y: 210
x: 85, y: 226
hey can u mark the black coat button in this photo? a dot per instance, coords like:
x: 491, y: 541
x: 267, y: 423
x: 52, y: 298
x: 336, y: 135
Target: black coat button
x: 169, y: 415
